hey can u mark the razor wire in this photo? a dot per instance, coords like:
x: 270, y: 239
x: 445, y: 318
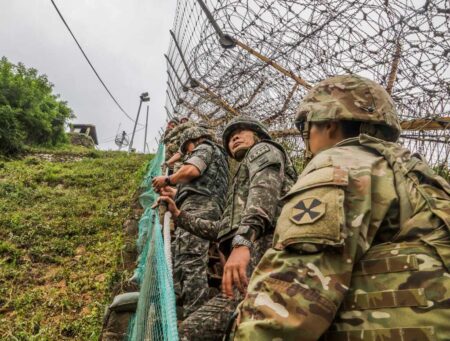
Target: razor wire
x: 155, y: 317
x: 259, y: 57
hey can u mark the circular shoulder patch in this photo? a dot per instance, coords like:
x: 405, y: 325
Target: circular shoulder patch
x: 307, y: 211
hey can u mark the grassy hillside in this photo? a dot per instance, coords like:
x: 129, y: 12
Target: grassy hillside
x: 61, y: 238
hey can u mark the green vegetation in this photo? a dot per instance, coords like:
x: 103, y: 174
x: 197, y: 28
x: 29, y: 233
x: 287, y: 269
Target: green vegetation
x: 61, y: 240
x: 30, y: 114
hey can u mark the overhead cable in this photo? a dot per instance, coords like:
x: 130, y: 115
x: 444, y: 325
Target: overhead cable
x: 89, y: 62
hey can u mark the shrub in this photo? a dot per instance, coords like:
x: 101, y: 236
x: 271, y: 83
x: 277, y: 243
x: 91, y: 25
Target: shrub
x: 29, y: 111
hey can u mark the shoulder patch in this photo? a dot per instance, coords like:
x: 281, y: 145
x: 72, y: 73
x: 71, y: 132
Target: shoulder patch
x: 258, y: 151
x: 308, y: 210
x: 315, y: 216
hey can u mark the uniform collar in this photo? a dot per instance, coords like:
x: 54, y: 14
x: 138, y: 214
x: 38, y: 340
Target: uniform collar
x: 353, y: 141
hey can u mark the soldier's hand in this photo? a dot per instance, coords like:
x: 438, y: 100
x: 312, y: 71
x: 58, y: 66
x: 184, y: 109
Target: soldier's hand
x: 168, y: 191
x: 171, y: 206
x: 158, y: 182
x: 235, y: 271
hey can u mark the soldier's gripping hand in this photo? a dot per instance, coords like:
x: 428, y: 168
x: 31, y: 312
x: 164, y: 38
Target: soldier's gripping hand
x: 159, y: 181
x: 171, y: 206
x: 168, y: 191
x: 235, y: 271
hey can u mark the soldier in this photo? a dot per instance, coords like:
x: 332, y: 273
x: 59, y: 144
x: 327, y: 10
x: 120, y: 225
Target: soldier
x: 176, y: 155
x: 169, y: 149
x: 361, y: 248
x: 202, y: 183
x: 245, y: 230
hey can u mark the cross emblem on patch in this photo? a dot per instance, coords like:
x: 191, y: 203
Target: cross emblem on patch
x: 308, y: 210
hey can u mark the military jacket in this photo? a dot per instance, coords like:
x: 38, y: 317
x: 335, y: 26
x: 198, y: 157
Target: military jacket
x: 264, y: 174
x: 361, y: 251
x: 212, y: 162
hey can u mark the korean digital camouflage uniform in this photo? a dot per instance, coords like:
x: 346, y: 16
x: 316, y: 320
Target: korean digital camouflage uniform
x: 264, y: 174
x: 202, y: 197
x: 173, y: 141
x: 168, y: 134
x: 361, y: 249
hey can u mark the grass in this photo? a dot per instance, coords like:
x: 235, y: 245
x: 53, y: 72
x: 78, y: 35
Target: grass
x: 61, y: 240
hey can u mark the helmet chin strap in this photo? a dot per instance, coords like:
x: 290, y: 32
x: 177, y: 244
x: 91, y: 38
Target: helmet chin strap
x: 307, y: 155
x: 240, y: 154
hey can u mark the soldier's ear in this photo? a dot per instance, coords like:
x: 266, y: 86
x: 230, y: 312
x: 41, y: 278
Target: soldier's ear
x: 333, y: 129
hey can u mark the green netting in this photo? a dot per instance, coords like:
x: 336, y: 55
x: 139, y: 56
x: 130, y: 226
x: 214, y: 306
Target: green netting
x: 155, y: 317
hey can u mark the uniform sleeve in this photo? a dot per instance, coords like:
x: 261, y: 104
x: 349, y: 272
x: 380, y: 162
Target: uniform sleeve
x: 296, y: 290
x: 206, y: 229
x: 266, y: 172
x: 201, y: 157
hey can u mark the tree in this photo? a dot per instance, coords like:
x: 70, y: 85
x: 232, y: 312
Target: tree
x: 30, y: 114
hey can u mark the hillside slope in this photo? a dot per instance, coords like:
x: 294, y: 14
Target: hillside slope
x: 61, y: 240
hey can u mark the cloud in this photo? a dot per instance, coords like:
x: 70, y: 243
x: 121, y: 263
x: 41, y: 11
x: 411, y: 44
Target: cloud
x: 125, y: 40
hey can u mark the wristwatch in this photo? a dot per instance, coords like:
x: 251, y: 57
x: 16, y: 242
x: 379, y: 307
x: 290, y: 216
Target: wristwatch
x: 239, y: 240
x: 167, y: 180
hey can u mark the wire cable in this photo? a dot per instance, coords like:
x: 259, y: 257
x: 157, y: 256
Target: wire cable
x: 89, y: 62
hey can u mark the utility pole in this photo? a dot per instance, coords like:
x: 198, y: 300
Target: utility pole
x: 146, y: 125
x: 144, y: 97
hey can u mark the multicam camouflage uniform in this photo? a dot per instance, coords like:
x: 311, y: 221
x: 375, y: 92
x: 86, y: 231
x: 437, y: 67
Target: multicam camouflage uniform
x: 264, y: 174
x: 202, y: 197
x: 361, y: 248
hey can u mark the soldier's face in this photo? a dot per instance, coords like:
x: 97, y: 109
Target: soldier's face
x: 322, y: 137
x: 190, y: 146
x: 241, y: 139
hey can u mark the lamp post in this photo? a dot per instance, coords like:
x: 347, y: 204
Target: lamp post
x: 146, y: 125
x: 144, y: 97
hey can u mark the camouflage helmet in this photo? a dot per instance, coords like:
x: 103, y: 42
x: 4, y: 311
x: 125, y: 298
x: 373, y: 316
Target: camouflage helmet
x: 244, y: 122
x: 351, y: 98
x: 204, y: 124
x: 192, y: 133
x: 174, y: 120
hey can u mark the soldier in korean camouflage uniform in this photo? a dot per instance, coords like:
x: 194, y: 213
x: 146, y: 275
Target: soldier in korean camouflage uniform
x: 168, y: 133
x: 202, y: 184
x: 246, y: 228
x: 361, y: 250
x: 173, y: 142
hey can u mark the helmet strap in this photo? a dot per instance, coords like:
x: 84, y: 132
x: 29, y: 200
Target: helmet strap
x: 256, y: 137
x: 240, y: 154
x: 305, y: 136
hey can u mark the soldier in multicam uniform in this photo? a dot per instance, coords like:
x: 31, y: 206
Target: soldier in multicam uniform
x: 202, y: 184
x: 246, y: 228
x: 361, y: 250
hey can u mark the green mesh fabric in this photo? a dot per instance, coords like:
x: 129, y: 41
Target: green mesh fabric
x: 155, y: 317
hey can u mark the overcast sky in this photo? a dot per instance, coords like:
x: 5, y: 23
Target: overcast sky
x: 124, y: 39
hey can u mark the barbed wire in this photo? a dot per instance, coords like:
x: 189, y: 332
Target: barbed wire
x: 258, y: 57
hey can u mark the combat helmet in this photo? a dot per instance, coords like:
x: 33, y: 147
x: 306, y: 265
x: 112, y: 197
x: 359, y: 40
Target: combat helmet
x: 184, y: 118
x: 350, y: 98
x: 244, y: 122
x: 174, y: 120
x: 192, y: 133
